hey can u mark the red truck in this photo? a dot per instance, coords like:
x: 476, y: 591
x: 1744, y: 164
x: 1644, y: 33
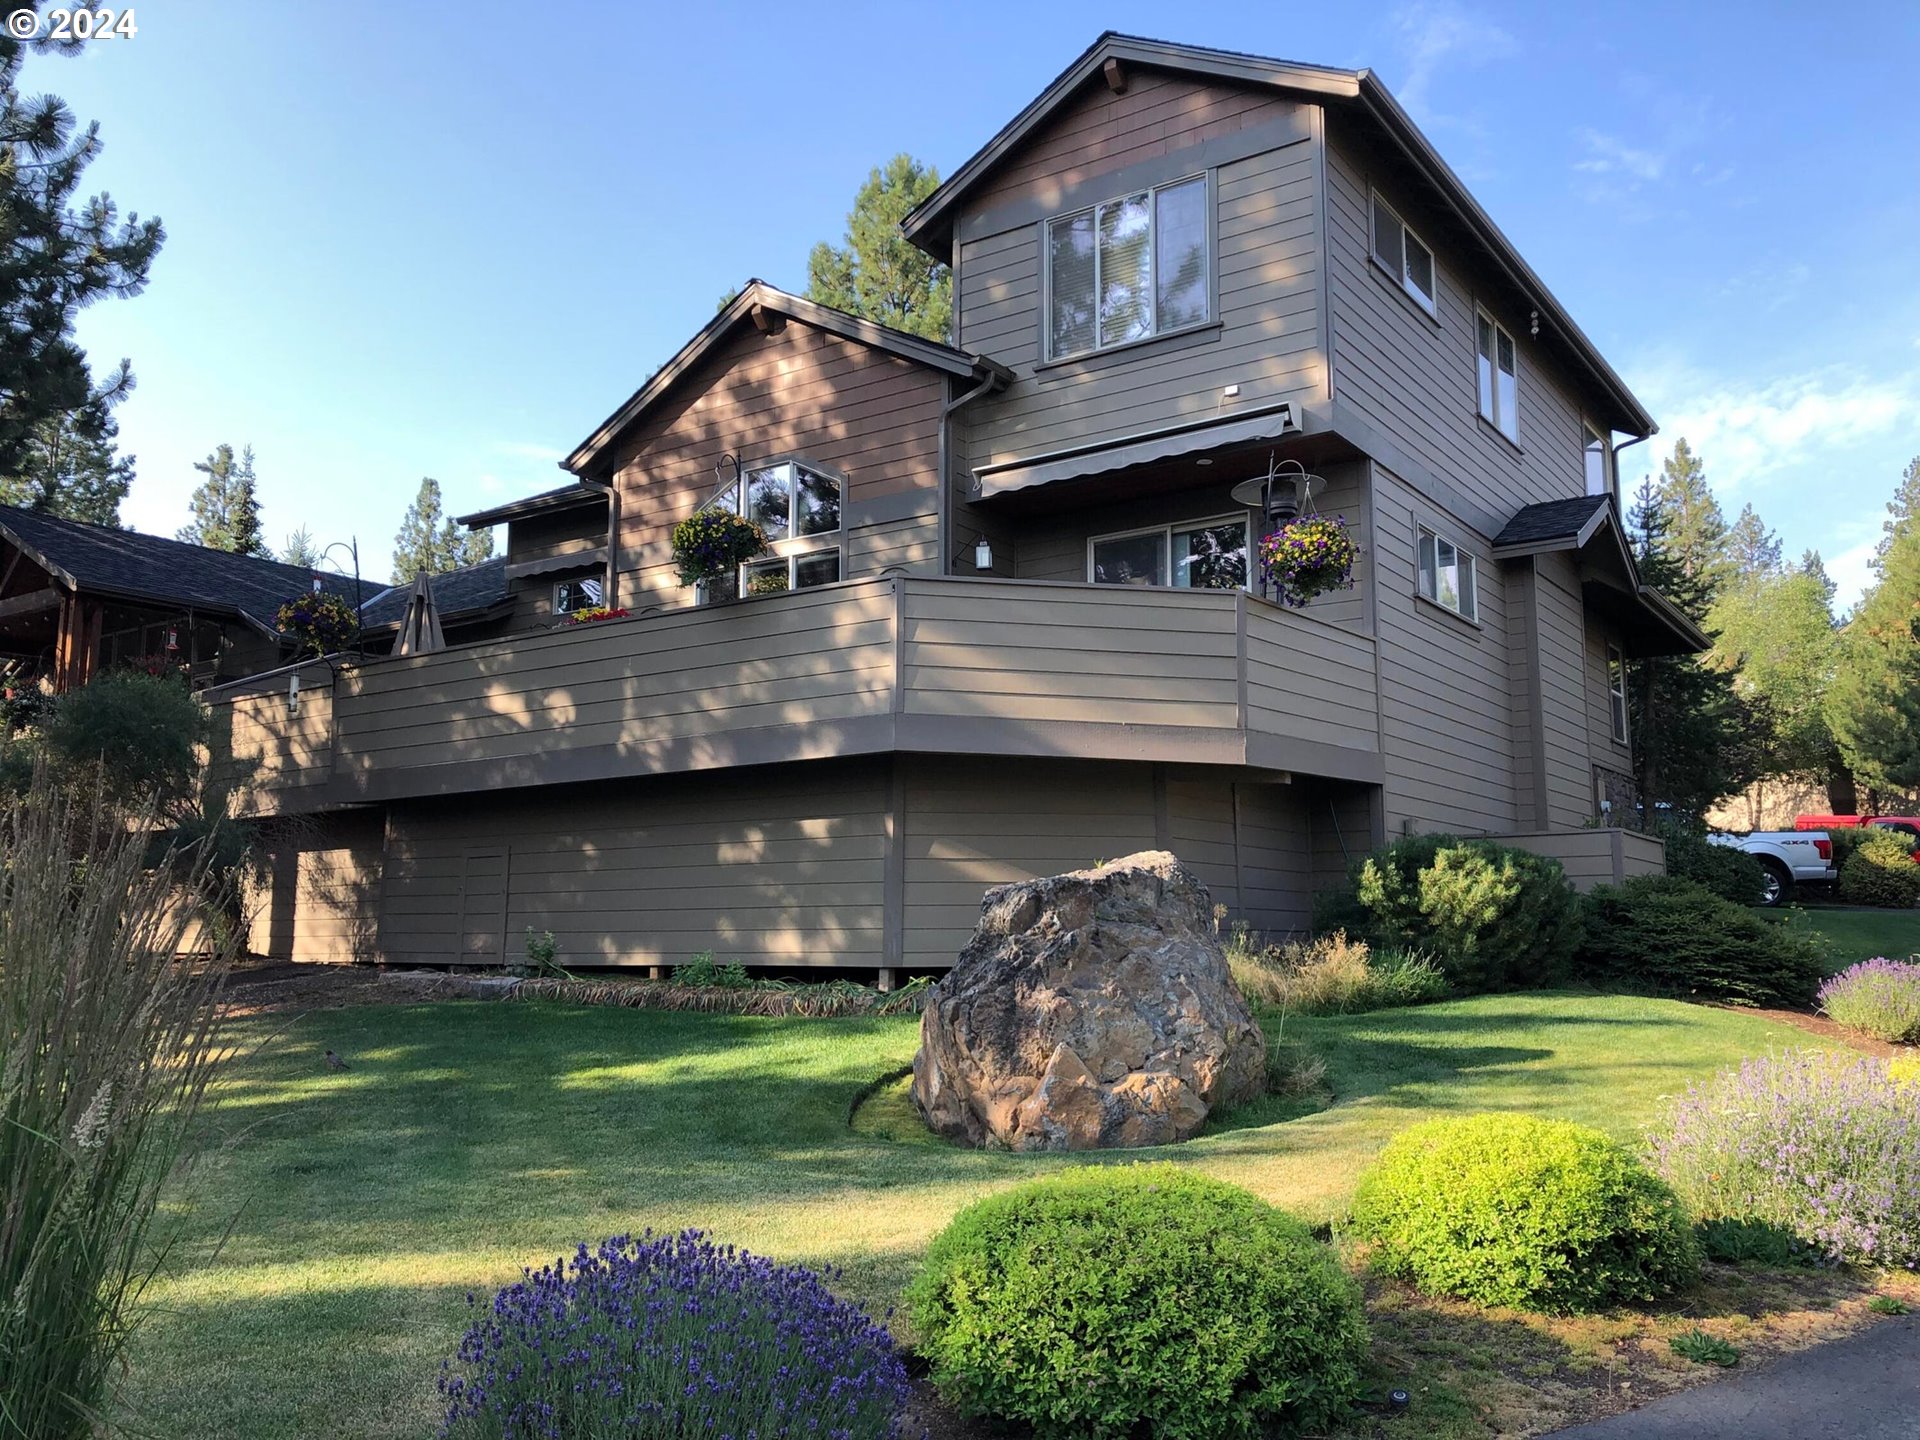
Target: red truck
x: 1906, y: 825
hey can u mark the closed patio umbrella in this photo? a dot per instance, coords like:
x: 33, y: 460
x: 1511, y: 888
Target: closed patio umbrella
x: 420, y: 631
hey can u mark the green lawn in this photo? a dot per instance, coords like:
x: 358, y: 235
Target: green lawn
x: 469, y: 1139
x: 1862, y: 934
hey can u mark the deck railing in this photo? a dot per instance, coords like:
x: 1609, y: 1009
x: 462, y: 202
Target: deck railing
x: 941, y: 664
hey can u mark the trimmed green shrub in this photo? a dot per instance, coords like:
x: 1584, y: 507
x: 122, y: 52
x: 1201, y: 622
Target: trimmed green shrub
x: 1729, y: 873
x: 1493, y: 917
x: 1881, y: 871
x: 139, y: 733
x: 1516, y: 1210
x: 1111, y: 1301
x: 1666, y: 936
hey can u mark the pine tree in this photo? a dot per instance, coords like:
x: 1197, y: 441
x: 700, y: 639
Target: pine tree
x: 301, y: 549
x: 226, y: 506
x: 1696, y: 531
x: 1812, y: 564
x: 1873, y: 705
x: 1688, y: 725
x: 1774, y: 633
x: 70, y: 466
x: 56, y: 258
x: 1752, y: 549
x: 1901, y: 511
x: 431, y: 541
x: 879, y: 274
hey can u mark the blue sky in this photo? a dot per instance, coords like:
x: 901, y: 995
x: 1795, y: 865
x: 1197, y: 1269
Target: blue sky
x: 410, y: 240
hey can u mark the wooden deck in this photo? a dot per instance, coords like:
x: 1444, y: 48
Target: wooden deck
x: 942, y: 666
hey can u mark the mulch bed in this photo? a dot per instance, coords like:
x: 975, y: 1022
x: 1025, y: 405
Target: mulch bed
x: 1825, y: 1029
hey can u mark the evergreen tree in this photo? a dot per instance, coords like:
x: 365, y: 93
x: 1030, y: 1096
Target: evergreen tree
x: 1873, y: 705
x: 70, y: 466
x: 434, y: 542
x: 1900, y: 512
x: 1696, y: 531
x: 1752, y: 549
x: 1812, y: 564
x: 301, y: 549
x: 226, y: 506
x: 879, y: 274
x: 1774, y: 633
x: 56, y: 258
x: 1688, y: 725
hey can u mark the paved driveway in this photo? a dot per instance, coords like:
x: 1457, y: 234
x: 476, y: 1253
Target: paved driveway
x: 1866, y: 1387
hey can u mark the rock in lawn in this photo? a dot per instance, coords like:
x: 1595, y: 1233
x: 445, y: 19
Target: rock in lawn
x: 1090, y: 1011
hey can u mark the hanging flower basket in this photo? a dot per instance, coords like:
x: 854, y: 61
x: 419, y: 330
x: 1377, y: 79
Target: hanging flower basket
x: 714, y: 543
x: 319, y: 624
x: 1308, y: 557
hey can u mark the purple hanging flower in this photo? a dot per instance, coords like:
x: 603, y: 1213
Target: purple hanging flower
x: 1309, y: 557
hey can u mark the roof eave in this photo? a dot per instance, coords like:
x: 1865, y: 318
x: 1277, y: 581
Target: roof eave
x: 531, y: 505
x: 807, y: 312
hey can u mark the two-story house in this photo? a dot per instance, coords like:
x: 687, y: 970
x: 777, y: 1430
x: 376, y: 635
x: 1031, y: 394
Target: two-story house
x: 1011, y: 620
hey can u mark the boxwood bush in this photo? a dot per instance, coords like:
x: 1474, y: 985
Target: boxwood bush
x: 1667, y: 936
x: 1110, y: 1301
x: 1493, y: 917
x: 1881, y: 871
x: 1517, y: 1210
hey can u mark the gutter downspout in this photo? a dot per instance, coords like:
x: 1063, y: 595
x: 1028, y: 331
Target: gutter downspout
x: 995, y: 378
x: 611, y: 595
x: 1638, y: 439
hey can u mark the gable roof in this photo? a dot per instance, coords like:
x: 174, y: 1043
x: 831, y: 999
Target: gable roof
x: 128, y: 565
x: 1544, y: 525
x: 1359, y: 92
x: 470, y: 590
x: 765, y: 299
x: 1591, y: 525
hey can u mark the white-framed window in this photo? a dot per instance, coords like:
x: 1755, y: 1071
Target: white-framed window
x: 1617, y: 691
x: 1192, y: 555
x: 1498, y: 366
x: 1599, y: 457
x: 1130, y: 267
x: 572, y: 595
x: 1403, y: 255
x: 798, y: 507
x: 1446, y: 575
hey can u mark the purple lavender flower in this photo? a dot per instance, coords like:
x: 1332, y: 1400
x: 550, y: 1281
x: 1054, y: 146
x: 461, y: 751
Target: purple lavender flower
x: 672, y: 1335
x: 1820, y: 1145
x: 1878, y: 997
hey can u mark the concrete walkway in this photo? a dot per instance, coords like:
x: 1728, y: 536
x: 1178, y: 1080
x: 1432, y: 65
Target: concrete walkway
x: 1866, y: 1387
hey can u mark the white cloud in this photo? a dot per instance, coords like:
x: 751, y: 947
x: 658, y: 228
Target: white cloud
x: 1431, y: 33
x: 1746, y: 433
x: 1611, y: 156
x: 1851, y: 572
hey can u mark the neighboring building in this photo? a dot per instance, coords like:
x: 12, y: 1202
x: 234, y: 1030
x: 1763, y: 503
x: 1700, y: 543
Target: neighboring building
x: 1011, y: 623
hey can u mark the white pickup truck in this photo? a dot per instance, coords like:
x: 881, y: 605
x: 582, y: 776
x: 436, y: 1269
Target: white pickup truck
x: 1789, y: 858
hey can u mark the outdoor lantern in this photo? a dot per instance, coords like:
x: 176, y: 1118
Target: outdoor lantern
x: 1282, y: 493
x: 983, y: 554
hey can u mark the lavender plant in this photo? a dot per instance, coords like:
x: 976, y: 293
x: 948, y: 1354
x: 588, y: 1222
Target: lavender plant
x: 670, y: 1336
x: 1878, y: 997
x: 1824, y: 1147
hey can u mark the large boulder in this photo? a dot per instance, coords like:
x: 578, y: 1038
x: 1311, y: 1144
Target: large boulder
x: 1090, y: 1011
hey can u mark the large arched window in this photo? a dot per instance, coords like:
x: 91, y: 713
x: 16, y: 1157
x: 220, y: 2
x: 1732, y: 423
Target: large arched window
x: 798, y: 506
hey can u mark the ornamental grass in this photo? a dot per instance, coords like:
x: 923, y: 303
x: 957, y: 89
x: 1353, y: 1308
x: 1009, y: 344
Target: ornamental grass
x: 1824, y: 1147
x: 106, y: 1047
x: 669, y: 1336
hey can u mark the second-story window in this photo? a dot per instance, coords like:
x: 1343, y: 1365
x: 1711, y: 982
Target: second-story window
x: 798, y: 508
x: 1617, y: 692
x: 1599, y: 463
x: 1128, y: 268
x: 572, y: 595
x: 1403, y: 255
x: 1499, y: 371
x: 1446, y: 575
